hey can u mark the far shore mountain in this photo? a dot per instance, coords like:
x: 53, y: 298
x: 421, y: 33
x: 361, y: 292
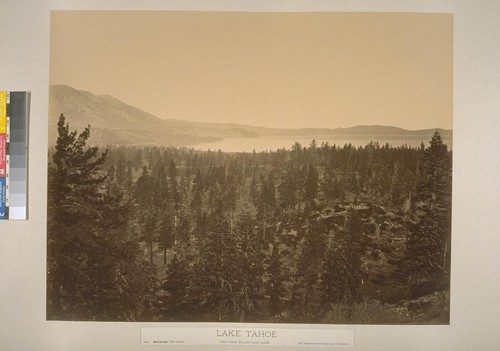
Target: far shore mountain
x: 113, y: 122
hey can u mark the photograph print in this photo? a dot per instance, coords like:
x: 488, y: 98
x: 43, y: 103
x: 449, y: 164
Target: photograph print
x: 250, y: 167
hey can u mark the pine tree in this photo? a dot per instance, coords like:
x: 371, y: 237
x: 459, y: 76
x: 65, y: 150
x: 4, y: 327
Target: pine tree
x: 175, y: 304
x: 289, y: 189
x: 342, y: 275
x: 250, y: 256
x: 90, y: 251
x: 330, y: 185
x: 143, y: 189
x: 267, y: 201
x: 275, y: 284
x: 197, y: 191
x: 174, y: 192
x: 217, y: 278
x: 334, y: 275
x: 253, y: 192
x: 75, y: 186
x: 311, y: 187
x: 166, y: 234
x: 311, y: 253
x: 428, y: 245
x: 159, y: 190
x: 121, y: 173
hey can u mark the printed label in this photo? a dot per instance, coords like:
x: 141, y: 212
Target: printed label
x: 234, y: 336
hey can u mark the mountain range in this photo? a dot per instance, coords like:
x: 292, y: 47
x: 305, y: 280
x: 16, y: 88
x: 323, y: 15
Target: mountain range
x: 114, y: 122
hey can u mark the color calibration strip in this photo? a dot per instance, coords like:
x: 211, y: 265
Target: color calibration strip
x: 14, y: 116
x: 3, y: 155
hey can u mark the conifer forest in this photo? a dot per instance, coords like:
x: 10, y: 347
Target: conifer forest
x: 310, y: 234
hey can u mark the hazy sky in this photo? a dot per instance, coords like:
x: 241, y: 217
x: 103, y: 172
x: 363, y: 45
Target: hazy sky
x: 269, y: 69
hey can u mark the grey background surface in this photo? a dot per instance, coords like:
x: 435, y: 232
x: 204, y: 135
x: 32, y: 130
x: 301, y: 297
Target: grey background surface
x: 475, y: 296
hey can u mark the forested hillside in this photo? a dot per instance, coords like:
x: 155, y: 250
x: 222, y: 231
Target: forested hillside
x: 312, y: 234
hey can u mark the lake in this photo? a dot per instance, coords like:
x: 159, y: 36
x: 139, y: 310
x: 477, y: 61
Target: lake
x: 272, y: 143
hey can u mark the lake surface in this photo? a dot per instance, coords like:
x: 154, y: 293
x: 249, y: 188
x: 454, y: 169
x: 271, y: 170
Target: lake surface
x: 272, y: 143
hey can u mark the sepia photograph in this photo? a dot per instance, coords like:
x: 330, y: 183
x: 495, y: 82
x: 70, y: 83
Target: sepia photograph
x: 250, y: 167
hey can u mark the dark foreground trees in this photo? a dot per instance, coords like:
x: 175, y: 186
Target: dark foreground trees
x: 94, y: 271
x: 428, y: 249
x: 314, y: 234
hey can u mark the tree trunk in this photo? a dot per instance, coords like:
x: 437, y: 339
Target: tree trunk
x: 231, y: 222
x: 264, y: 229
x: 151, y: 251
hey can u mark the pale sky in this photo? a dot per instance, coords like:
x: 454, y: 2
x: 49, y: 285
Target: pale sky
x: 286, y: 70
